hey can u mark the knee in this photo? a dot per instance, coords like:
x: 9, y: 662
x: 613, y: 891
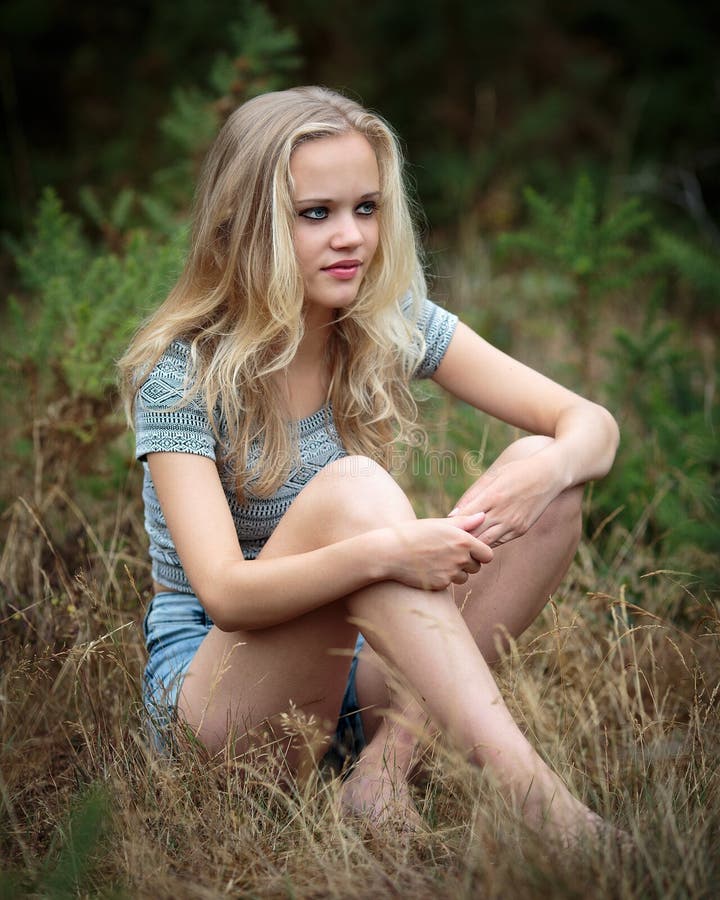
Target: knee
x: 524, y: 447
x: 563, y: 518
x: 361, y: 491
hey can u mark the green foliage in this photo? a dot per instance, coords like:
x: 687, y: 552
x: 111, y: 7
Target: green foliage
x: 56, y: 249
x: 666, y: 479
x: 264, y: 55
x: 191, y: 122
x: 658, y: 378
x: 85, y: 303
x: 64, y: 875
x: 85, y: 284
x: 118, y: 215
x: 591, y: 250
x: 698, y: 265
x: 541, y: 86
x: 68, y: 867
x: 261, y: 58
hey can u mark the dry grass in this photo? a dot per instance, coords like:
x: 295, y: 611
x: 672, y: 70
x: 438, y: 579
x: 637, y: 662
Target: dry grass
x: 622, y: 697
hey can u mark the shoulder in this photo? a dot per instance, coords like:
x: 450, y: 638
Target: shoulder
x: 435, y: 327
x: 435, y: 320
x: 169, y: 414
x: 169, y: 380
x: 426, y: 314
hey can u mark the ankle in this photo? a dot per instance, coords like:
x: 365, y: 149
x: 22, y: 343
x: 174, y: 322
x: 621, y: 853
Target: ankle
x: 388, y: 752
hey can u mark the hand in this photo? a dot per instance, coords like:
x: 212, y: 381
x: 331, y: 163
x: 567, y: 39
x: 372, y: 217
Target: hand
x: 433, y: 553
x: 513, y: 496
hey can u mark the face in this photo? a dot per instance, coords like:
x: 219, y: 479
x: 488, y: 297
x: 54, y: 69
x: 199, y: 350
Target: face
x: 336, y: 197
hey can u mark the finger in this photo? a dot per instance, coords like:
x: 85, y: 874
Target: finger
x: 460, y: 578
x: 497, y: 536
x: 490, y: 535
x: 461, y: 508
x: 481, y: 551
x: 472, y: 497
x: 469, y: 522
x: 491, y: 525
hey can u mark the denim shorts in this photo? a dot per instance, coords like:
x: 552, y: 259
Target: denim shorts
x: 174, y: 627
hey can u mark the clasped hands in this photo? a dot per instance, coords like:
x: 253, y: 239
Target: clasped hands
x: 513, y: 496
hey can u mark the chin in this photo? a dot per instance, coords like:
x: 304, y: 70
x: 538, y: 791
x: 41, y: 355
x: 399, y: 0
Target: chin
x: 332, y: 303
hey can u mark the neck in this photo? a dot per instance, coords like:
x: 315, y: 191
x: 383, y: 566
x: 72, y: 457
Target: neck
x: 318, y: 327
x: 305, y: 381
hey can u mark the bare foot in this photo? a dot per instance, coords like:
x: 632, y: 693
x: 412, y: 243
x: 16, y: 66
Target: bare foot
x: 569, y: 822
x: 379, y: 800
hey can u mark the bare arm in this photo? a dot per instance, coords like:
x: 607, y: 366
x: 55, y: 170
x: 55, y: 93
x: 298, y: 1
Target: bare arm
x: 585, y: 434
x: 242, y: 594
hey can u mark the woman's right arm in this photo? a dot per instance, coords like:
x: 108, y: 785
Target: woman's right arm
x: 242, y: 595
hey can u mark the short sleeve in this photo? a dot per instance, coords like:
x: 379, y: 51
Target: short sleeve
x: 164, y: 420
x: 437, y: 326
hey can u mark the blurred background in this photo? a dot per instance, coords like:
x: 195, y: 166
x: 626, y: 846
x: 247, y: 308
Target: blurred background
x: 565, y: 157
x: 487, y: 96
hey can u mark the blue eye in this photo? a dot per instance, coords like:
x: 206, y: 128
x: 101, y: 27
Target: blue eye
x: 315, y: 213
x: 367, y: 208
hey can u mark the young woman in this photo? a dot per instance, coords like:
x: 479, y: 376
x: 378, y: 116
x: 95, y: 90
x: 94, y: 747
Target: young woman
x: 267, y: 392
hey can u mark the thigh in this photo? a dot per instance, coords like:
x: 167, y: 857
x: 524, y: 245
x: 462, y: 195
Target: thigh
x: 174, y: 627
x: 238, y: 681
x: 242, y: 681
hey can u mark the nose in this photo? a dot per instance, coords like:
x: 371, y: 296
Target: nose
x: 347, y: 232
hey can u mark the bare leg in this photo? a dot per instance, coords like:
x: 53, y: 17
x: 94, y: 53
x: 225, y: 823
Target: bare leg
x: 506, y: 596
x: 440, y: 662
x: 241, y: 679
x: 502, y: 598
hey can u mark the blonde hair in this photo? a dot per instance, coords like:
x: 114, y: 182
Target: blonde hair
x: 239, y: 299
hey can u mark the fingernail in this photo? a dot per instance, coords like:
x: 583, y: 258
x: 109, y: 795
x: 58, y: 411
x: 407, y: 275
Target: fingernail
x: 454, y: 512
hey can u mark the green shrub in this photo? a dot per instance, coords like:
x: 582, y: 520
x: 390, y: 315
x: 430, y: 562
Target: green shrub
x: 667, y: 478
x: 82, y: 304
x: 592, y: 250
x: 86, y: 285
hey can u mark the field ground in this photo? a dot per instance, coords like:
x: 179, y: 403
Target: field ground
x: 621, y: 695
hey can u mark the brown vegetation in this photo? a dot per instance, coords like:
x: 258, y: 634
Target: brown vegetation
x: 621, y: 698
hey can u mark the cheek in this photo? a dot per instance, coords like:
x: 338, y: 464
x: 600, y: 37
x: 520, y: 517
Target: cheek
x: 304, y: 247
x: 373, y: 238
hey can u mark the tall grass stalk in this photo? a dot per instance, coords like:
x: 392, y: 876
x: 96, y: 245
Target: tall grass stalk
x: 620, y: 700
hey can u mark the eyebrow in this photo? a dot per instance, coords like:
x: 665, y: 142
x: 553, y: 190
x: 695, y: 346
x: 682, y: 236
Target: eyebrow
x: 324, y: 202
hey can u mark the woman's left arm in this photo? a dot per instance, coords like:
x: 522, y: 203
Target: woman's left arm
x: 585, y: 435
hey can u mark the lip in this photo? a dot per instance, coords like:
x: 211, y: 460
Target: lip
x: 343, y: 269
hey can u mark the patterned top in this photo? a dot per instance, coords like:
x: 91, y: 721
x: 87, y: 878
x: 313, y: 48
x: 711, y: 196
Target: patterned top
x: 162, y: 425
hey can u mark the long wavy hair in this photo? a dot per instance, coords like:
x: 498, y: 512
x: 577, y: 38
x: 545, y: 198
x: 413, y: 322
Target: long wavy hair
x: 238, y: 302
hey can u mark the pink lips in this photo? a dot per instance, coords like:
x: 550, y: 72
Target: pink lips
x: 344, y: 269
